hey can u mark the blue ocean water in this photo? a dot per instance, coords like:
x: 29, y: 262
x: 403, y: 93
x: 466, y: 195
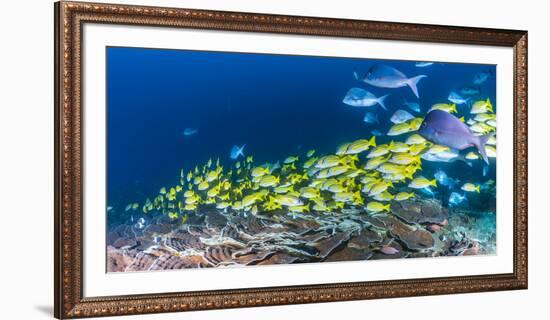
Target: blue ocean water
x: 278, y: 105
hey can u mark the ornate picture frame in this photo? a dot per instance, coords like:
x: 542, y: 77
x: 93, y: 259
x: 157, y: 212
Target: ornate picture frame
x: 70, y: 19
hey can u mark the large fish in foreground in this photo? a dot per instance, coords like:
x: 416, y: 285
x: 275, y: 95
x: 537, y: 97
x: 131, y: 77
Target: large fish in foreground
x: 384, y: 76
x: 445, y: 129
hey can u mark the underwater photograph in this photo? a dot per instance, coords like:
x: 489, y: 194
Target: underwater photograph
x: 226, y: 159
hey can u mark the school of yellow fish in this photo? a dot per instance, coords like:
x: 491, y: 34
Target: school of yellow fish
x: 359, y: 174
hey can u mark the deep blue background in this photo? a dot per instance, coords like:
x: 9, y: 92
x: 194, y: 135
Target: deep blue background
x: 278, y: 105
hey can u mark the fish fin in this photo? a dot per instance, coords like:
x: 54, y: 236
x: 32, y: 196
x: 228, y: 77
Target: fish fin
x: 381, y: 101
x: 241, y: 149
x: 356, y: 76
x: 480, y: 145
x: 372, y: 141
x: 412, y: 82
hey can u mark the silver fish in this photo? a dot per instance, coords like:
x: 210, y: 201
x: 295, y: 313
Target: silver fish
x: 456, y: 98
x: 448, y: 156
x: 401, y: 116
x: 384, y: 76
x: 190, y: 131
x: 470, y: 91
x: 237, y: 151
x: 456, y: 198
x: 357, y: 97
x: 412, y: 105
x: 371, y: 118
x: 444, y: 179
x: 376, y: 133
x: 482, y: 77
x: 422, y: 64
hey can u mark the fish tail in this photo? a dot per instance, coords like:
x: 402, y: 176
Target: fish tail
x: 356, y: 76
x: 480, y: 145
x: 241, y: 151
x: 387, y: 208
x: 477, y: 189
x: 433, y: 182
x: 372, y: 141
x: 412, y: 82
x: 381, y: 101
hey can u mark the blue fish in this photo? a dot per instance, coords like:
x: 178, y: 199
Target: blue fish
x: 456, y: 98
x: 470, y: 91
x: 456, y: 198
x: 482, y: 77
x: 422, y: 64
x: 237, y: 152
x: 401, y: 116
x: 190, y: 131
x: 357, y: 97
x: 444, y: 179
x: 441, y: 177
x: 383, y: 76
x: 371, y: 118
x: 412, y: 105
x: 376, y: 133
x: 445, y: 129
x: 428, y: 191
x: 273, y: 167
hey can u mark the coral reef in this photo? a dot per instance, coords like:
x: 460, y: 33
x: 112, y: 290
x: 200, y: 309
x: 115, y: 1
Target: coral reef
x: 414, y: 228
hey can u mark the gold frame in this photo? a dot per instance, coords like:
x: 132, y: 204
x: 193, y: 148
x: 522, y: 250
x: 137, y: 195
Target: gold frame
x: 69, y: 19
